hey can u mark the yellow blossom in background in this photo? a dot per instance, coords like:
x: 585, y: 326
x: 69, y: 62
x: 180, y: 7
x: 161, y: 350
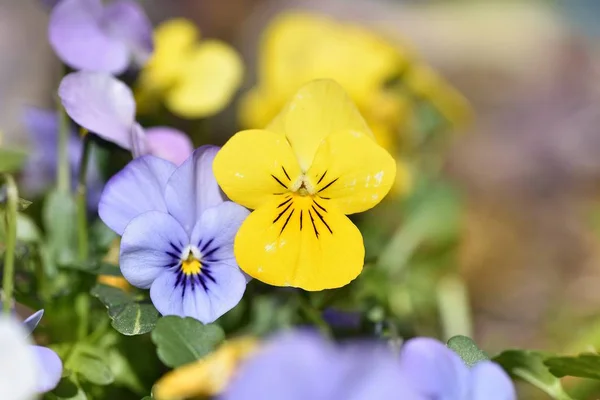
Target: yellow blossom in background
x: 194, y: 78
x: 208, y: 376
x: 383, y: 78
x: 112, y: 257
x: 316, y: 162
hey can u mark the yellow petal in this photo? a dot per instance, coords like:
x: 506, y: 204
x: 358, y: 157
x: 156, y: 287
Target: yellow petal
x: 255, y: 165
x: 301, y: 242
x: 358, y: 173
x: 210, y: 78
x: 318, y: 109
x: 257, y: 108
x: 208, y: 376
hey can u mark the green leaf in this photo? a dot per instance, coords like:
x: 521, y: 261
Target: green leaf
x: 529, y: 366
x: 129, y: 317
x: 59, y: 215
x: 93, y: 369
x: 11, y: 159
x: 95, y: 267
x: 467, y: 350
x: 182, y: 340
x: 585, y: 365
x: 67, y: 389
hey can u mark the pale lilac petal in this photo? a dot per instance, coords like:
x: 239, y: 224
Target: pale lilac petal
x: 49, y: 368
x: 215, y: 232
x: 127, y: 22
x: 77, y: 38
x: 149, y: 246
x: 490, y: 382
x: 193, y: 188
x: 17, y: 361
x: 33, y: 320
x: 137, y: 188
x: 139, y: 142
x: 166, y: 294
x: 101, y: 104
x: 433, y: 369
x: 170, y: 144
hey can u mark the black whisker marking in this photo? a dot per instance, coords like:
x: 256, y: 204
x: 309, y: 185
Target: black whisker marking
x: 286, y: 174
x: 321, y: 178
x: 313, y: 224
x: 286, y: 222
x: 329, y: 184
x: 203, y: 249
x: 322, y: 219
x: 175, y: 248
x: 170, y: 253
x: 209, y: 276
x: 301, y: 219
x: 278, y: 181
x: 320, y: 206
x: 210, y: 252
x: 285, y: 202
x: 325, y: 198
x: 281, y: 213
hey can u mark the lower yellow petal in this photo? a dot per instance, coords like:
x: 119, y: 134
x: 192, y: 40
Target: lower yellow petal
x: 300, y: 241
x: 254, y: 165
x: 353, y: 171
x: 211, y: 76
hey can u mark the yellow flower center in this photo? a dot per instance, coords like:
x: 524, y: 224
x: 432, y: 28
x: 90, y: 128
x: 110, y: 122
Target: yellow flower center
x: 191, y: 266
x: 303, y: 186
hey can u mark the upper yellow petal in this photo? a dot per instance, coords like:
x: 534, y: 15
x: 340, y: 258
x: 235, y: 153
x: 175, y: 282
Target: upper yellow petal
x: 208, y: 376
x: 211, y: 75
x: 255, y: 165
x: 300, y: 241
x: 318, y: 109
x: 353, y: 171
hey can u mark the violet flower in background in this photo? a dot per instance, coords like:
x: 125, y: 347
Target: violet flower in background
x: 105, y: 106
x: 87, y: 35
x: 40, y: 171
x: 177, y: 233
x: 303, y: 365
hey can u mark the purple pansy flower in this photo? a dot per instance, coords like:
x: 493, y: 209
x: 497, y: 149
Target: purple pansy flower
x: 40, y: 171
x: 303, y: 365
x: 48, y: 365
x: 104, y: 105
x: 178, y: 234
x: 87, y: 35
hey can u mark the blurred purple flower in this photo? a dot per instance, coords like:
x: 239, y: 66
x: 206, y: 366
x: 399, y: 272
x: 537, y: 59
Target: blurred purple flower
x: 177, y: 233
x: 49, y: 364
x: 305, y: 366
x: 87, y: 35
x: 105, y: 106
x: 40, y: 171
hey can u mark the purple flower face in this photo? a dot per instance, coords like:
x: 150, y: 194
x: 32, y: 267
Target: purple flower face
x: 89, y: 36
x: 105, y: 106
x: 177, y: 233
x: 305, y: 366
x: 40, y: 171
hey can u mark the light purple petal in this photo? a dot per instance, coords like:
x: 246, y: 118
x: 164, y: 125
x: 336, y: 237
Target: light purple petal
x: 49, y: 368
x: 126, y: 21
x: 433, y: 369
x: 170, y: 144
x: 377, y: 377
x: 139, y: 142
x: 33, y: 320
x: 149, y: 247
x: 137, y: 188
x: 193, y: 188
x: 215, y: 232
x: 490, y: 382
x: 100, y: 103
x: 17, y: 361
x: 293, y: 366
x: 77, y: 38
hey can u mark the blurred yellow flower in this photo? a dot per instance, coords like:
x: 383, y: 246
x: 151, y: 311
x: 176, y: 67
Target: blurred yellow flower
x: 316, y: 162
x: 194, y: 78
x: 208, y: 376
x: 112, y: 257
x: 383, y: 78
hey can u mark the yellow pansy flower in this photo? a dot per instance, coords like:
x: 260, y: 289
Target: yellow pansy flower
x: 194, y: 78
x: 314, y: 163
x: 208, y: 376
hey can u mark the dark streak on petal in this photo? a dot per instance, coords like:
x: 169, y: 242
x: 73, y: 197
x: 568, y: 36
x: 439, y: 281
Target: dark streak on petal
x: 312, y: 220
x: 329, y: 184
x: 281, y: 213
x: 320, y: 206
x: 286, y: 174
x: 286, y: 221
x: 301, y: 219
x: 321, y: 178
x: 278, y: 181
x: 203, y: 249
x: 322, y: 219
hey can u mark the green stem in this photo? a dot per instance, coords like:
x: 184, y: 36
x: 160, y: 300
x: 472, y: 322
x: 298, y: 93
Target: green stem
x: 453, y: 305
x: 63, y: 173
x: 82, y: 228
x: 12, y: 201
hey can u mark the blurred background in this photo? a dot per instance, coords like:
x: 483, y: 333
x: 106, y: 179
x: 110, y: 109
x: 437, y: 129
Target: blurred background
x: 525, y: 167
